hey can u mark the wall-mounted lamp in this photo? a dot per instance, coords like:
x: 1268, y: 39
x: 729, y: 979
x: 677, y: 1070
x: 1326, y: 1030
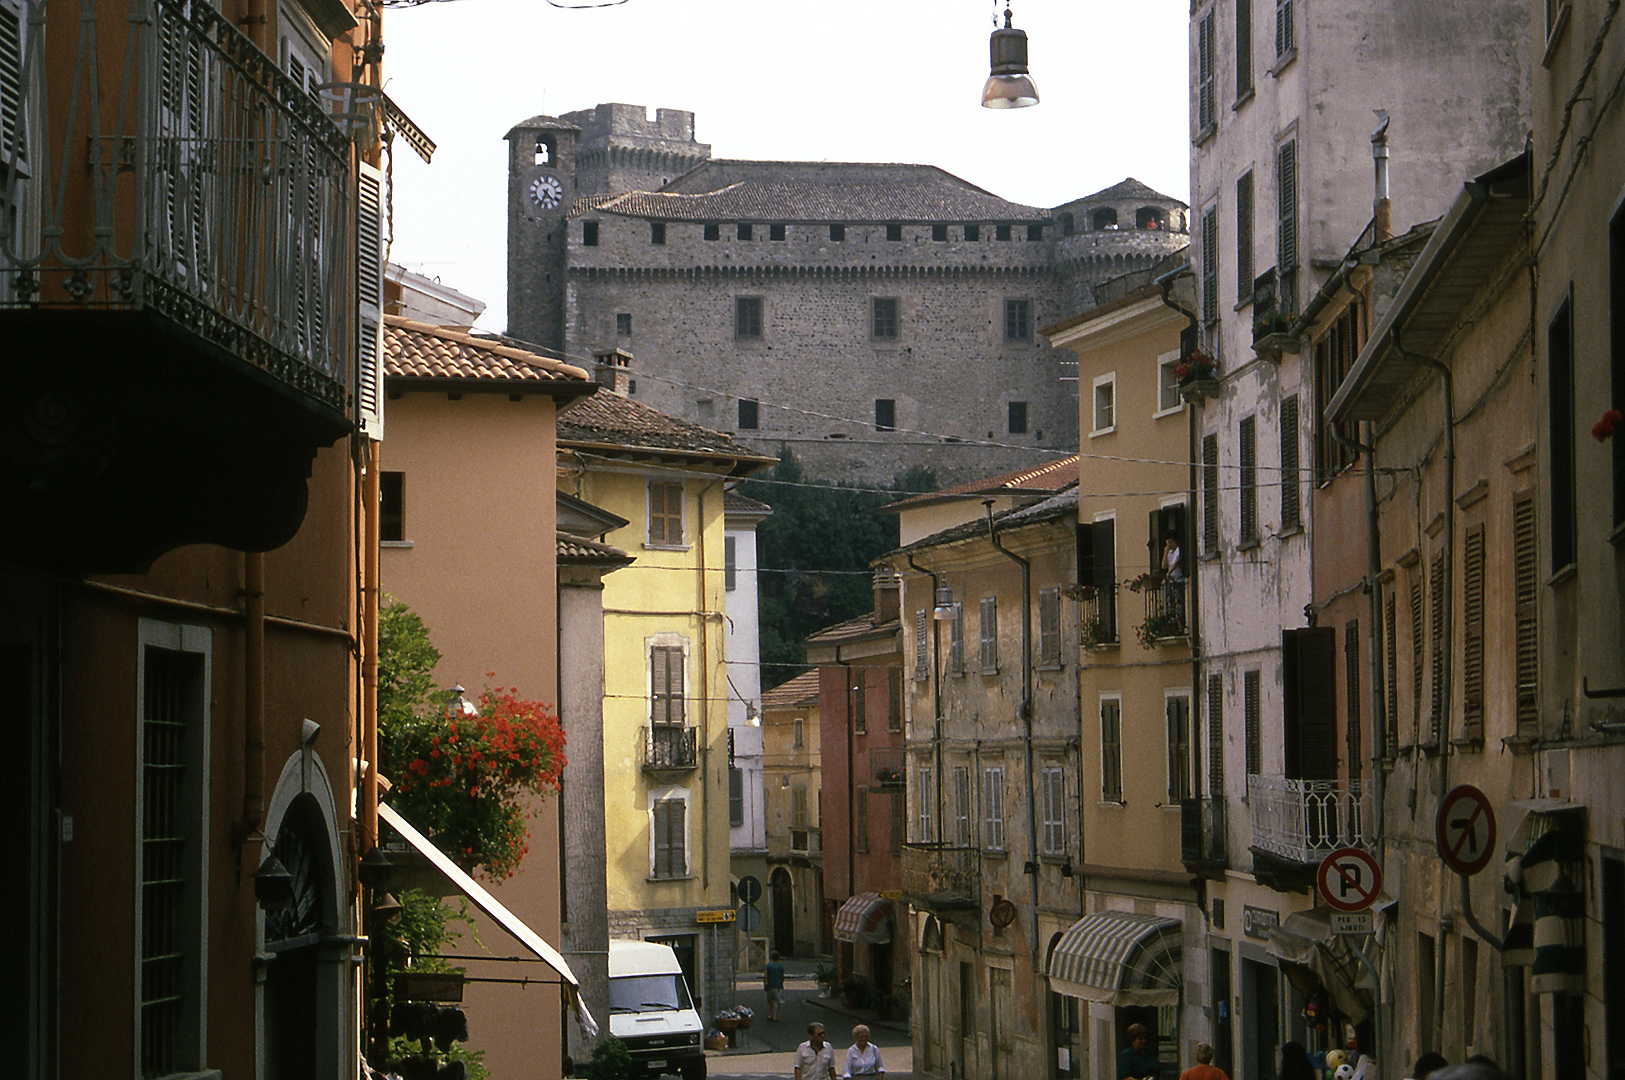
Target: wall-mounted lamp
x: 945, y: 609
x: 373, y: 868
x: 273, y: 886
x: 1008, y: 85
x: 388, y: 908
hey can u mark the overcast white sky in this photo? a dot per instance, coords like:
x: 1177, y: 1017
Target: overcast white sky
x: 822, y: 80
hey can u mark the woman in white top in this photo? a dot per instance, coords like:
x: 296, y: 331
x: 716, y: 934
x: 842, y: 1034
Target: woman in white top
x: 863, y: 1057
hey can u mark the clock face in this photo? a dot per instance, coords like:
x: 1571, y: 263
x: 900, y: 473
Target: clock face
x: 546, y: 192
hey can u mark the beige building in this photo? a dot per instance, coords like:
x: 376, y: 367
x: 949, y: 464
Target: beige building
x: 795, y: 850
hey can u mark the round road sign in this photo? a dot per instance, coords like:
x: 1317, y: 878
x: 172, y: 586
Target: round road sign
x: 750, y: 889
x: 1349, y: 879
x: 1466, y: 830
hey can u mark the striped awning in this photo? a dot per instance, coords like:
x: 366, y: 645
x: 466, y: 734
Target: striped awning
x: 1119, y: 958
x: 1548, y: 929
x: 864, y: 918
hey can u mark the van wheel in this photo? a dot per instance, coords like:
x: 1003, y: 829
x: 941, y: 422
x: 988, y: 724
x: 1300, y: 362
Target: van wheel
x: 694, y: 1070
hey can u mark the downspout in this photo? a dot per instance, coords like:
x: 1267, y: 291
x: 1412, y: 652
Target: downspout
x: 705, y: 695
x: 253, y: 815
x: 936, y: 694
x: 1026, y: 713
x: 370, y: 597
x: 851, y: 791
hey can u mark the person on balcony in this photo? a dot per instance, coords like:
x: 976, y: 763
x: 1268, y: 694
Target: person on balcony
x: 1173, y: 581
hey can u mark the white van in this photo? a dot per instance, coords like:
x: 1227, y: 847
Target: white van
x: 651, y: 1012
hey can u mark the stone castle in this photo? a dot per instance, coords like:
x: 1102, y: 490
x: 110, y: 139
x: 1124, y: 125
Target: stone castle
x: 871, y: 317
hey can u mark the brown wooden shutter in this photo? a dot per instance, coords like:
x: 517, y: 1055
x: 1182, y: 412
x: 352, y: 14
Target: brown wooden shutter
x: 1254, y: 722
x: 1210, y: 494
x: 1247, y: 453
x: 1291, y: 513
x: 1526, y: 596
x: 1472, y: 618
x: 1215, y: 737
x: 1309, y: 663
x: 1436, y: 597
x: 1352, y: 720
x: 1392, y: 627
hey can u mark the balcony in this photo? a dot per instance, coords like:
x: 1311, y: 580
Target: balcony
x: 1097, y: 610
x: 1203, y: 844
x: 942, y: 878
x: 806, y: 844
x: 177, y: 287
x: 670, y: 748
x: 888, y: 767
x: 1303, y: 821
x: 1275, y: 308
x: 1165, y: 608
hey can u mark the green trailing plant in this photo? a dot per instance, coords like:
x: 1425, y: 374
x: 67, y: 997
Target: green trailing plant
x: 1093, y: 632
x: 412, y: 942
x: 1157, y: 627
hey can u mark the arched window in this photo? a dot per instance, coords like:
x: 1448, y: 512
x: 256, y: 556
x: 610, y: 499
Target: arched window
x: 1104, y: 218
x: 1150, y: 217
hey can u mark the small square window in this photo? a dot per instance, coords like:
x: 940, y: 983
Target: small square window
x: 589, y: 233
x: 939, y: 232
x: 623, y: 323
x: 973, y: 232
x: 749, y: 414
x: 1001, y: 232
x: 1035, y: 232
x: 894, y: 232
x: 748, y: 317
x: 657, y: 232
x: 744, y: 230
x: 1018, y: 320
x: 883, y: 318
x: 392, y: 506
x: 1017, y: 415
x: 1105, y: 404
x: 775, y: 232
x: 1167, y: 385
x: 837, y: 232
x: 885, y: 414
x: 713, y: 231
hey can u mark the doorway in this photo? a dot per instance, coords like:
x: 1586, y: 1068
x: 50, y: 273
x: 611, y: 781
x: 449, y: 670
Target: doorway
x: 781, y: 901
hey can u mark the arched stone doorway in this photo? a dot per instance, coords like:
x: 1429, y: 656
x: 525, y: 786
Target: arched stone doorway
x: 782, y: 903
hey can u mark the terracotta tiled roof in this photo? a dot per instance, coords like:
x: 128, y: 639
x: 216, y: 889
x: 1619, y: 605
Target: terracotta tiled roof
x: 611, y: 421
x: 576, y: 549
x: 1044, y: 477
x: 414, y: 350
x: 735, y: 503
x: 1057, y: 507
x: 801, y: 690
x: 858, y: 629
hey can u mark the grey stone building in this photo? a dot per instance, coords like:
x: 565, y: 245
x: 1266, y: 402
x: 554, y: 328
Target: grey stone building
x: 871, y: 317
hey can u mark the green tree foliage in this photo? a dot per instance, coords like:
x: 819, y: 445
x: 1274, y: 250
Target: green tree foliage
x: 610, y: 1061
x: 822, y: 537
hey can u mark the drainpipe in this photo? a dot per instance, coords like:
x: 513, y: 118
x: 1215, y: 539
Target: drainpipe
x: 851, y: 791
x: 936, y: 693
x: 253, y: 695
x: 1026, y: 712
x: 370, y: 596
x: 706, y: 677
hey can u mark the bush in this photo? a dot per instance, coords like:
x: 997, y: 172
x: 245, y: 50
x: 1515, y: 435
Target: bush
x: 610, y: 1061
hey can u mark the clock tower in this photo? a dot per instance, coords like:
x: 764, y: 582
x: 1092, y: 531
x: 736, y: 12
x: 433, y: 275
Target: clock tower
x: 541, y: 189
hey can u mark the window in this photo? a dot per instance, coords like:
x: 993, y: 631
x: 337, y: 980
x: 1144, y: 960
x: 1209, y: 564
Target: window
x: 744, y: 230
x: 1105, y: 404
x: 670, y: 827
x: 990, y: 635
x: 1472, y: 618
x: 1178, y: 711
x: 736, y: 797
x: 1111, y: 750
x: 1016, y: 417
x: 993, y: 807
x: 589, y: 233
x: 1097, y: 566
x: 1351, y: 687
x: 1334, y: 355
x: 1244, y: 230
x: 1284, y: 43
x: 1248, y: 481
x: 172, y: 753
x: 1054, y: 787
x: 973, y: 232
x: 860, y: 820
x: 962, y: 805
x: 666, y: 701
x: 392, y: 507
x: 623, y: 324
x: 1309, y: 704
x: 837, y: 232
x: 1068, y: 225
x: 885, y: 414
x: 1035, y: 233
x: 1560, y: 433
x: 925, y: 798
x: 1215, y: 737
x: 657, y: 232
x: 1018, y: 324
x: 775, y: 232
x: 1206, y: 114
x: 1286, y: 228
x: 894, y: 232
x: 956, y: 641
x: 713, y: 231
x: 1244, y: 48
x: 1210, y: 265
x: 1168, y: 397
x: 730, y: 563
x: 1049, y: 626
x: 894, y: 699
x: 860, y: 701
x: 1436, y: 601
x: 939, y: 232
x: 883, y: 322
x: 798, y: 729
x: 1291, y: 515
x: 1210, y: 494
x: 750, y: 412
x: 1526, y: 594
x: 665, y: 513
x: 748, y: 317
x: 1104, y: 218
x: 1252, y: 720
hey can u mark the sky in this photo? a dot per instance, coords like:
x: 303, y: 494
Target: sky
x: 814, y: 80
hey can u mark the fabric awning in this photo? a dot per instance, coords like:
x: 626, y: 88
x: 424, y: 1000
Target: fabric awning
x: 1306, y: 939
x: 493, y: 907
x: 1547, y: 859
x: 1119, y: 958
x: 864, y: 918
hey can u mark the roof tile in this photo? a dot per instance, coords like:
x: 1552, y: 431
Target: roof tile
x: 415, y: 350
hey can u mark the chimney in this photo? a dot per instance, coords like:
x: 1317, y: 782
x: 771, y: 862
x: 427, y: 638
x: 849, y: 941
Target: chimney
x: 1382, y: 211
x: 888, y: 596
x: 613, y: 369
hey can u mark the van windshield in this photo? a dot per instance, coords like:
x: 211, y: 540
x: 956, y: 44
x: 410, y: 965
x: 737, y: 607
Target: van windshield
x: 648, y: 993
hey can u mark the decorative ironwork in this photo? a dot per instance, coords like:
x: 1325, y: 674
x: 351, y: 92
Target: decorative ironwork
x: 670, y: 746
x: 181, y: 173
x: 1305, y: 820
x: 936, y: 875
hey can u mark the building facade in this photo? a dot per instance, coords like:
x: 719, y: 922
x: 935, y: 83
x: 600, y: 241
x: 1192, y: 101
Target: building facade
x: 791, y: 770
x: 747, y: 809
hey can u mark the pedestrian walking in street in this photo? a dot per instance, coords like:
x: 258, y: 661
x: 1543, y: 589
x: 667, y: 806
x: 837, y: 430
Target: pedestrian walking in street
x: 773, y: 984
x: 815, y: 1058
x: 1204, y: 1069
x: 863, y: 1056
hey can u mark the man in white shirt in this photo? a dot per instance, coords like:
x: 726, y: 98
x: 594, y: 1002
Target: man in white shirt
x: 815, y: 1058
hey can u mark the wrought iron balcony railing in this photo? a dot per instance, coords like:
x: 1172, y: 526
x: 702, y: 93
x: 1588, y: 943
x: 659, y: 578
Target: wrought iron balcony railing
x: 670, y: 746
x: 1305, y: 820
x: 173, y: 170
x: 1097, y: 610
x: 937, y: 875
x: 888, y: 766
x: 1166, y: 611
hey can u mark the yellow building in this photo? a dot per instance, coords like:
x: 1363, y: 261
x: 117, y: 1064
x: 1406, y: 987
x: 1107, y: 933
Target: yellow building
x: 666, y: 688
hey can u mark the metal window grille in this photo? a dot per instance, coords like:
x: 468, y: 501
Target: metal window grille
x: 747, y: 317
x: 883, y: 320
x: 1018, y: 320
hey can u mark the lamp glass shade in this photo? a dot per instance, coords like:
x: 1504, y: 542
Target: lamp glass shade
x: 1009, y: 92
x: 1008, y: 85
